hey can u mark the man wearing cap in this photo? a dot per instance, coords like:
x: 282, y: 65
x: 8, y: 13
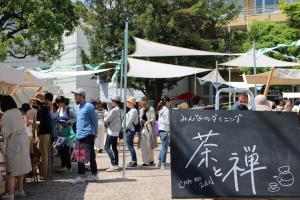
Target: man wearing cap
x: 113, y: 124
x: 86, y: 130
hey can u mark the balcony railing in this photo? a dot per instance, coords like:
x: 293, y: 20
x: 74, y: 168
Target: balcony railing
x: 260, y: 10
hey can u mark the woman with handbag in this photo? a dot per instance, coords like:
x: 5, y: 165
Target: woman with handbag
x: 164, y: 128
x: 148, y: 138
x: 17, y: 146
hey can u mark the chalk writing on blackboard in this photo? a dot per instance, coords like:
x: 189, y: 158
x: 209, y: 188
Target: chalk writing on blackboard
x: 285, y: 178
x: 201, y: 181
x: 213, y: 118
x: 203, y: 143
x: 251, y: 159
x: 273, y: 187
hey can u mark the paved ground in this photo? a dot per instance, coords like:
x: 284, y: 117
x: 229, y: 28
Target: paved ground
x: 140, y: 183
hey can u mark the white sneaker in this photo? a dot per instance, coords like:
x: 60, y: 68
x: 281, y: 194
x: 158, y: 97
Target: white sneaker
x: 8, y: 196
x: 112, y: 168
x: 92, y: 178
x: 19, y: 194
x: 78, y: 179
x: 164, y: 167
x: 158, y: 165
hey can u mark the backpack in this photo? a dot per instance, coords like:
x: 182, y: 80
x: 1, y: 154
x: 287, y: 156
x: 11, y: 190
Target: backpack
x: 74, y: 124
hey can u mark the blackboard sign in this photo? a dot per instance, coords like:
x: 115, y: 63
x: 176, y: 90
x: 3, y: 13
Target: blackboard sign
x: 234, y: 154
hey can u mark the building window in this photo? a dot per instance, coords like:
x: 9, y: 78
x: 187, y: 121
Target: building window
x: 266, y: 6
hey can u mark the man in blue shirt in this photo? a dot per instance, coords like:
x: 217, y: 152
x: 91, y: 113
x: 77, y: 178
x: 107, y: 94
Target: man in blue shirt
x: 86, y: 131
x: 242, y: 104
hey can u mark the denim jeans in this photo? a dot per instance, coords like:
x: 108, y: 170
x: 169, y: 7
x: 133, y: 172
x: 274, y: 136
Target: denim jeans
x: 164, y: 147
x: 89, y: 141
x: 129, y: 140
x: 112, y: 154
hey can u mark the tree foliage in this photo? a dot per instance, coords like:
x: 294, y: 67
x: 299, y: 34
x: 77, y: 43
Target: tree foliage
x: 187, y: 23
x: 269, y: 34
x: 35, y: 27
x: 292, y: 10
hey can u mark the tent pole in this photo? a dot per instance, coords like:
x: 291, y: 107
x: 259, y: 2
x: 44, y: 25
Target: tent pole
x: 122, y: 74
x: 269, y: 81
x: 125, y: 91
x: 217, y: 85
x: 195, y: 83
x: 254, y: 64
x: 229, y: 78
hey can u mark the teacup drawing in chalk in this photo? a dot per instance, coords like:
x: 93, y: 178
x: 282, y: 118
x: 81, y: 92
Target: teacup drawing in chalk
x: 285, y: 177
x: 273, y: 187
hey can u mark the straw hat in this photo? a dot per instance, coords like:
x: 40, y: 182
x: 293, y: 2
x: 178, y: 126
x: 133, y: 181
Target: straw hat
x: 262, y: 104
x: 131, y: 100
x: 183, y: 106
x: 38, y: 97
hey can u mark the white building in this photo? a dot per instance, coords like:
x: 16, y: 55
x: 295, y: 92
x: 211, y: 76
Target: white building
x: 70, y: 56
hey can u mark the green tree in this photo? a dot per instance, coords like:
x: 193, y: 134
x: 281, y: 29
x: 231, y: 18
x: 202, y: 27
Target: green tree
x: 187, y: 23
x: 269, y: 34
x: 35, y: 27
x: 292, y: 10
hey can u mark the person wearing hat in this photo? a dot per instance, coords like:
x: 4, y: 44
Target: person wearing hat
x: 44, y: 131
x: 86, y: 131
x: 164, y: 129
x: 262, y: 104
x: 131, y: 121
x: 113, y: 124
x: 148, y: 137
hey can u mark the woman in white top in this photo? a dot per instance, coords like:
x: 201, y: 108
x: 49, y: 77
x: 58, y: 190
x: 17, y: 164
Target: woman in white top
x: 100, y: 139
x: 148, y: 119
x: 113, y: 123
x: 131, y: 121
x: 164, y: 128
x: 17, y: 146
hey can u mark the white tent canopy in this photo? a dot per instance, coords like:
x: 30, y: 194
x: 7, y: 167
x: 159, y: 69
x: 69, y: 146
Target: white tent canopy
x: 242, y: 85
x: 146, y: 48
x: 10, y: 75
x: 246, y: 60
x: 291, y: 95
x: 280, y: 77
x: 214, y: 76
x: 52, y: 75
x: 148, y: 69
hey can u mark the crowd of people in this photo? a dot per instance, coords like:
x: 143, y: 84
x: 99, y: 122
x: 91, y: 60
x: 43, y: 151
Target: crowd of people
x: 49, y: 127
x: 52, y: 127
x: 262, y: 104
